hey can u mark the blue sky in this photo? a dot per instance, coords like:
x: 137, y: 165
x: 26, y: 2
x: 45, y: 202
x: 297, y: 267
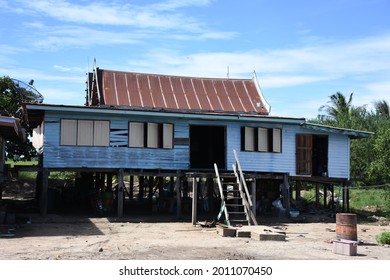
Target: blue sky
x: 303, y: 51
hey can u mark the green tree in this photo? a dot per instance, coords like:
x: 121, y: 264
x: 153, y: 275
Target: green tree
x: 10, y: 106
x: 382, y: 108
x: 338, y: 108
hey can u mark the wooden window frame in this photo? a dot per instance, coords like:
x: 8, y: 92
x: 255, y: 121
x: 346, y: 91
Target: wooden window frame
x: 271, y: 136
x: 77, y: 140
x: 163, y: 140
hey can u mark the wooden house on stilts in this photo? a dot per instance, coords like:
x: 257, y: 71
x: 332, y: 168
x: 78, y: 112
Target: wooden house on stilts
x: 168, y: 133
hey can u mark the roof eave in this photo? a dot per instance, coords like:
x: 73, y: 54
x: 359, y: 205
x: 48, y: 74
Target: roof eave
x: 351, y: 133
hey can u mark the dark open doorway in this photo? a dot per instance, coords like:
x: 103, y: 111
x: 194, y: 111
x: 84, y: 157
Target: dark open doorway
x: 312, y: 154
x: 207, y: 146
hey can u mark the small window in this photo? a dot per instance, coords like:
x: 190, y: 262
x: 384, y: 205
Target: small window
x: 276, y: 140
x: 249, y: 139
x: 152, y: 135
x: 136, y: 135
x: 68, y: 132
x: 84, y: 133
x: 167, y: 136
x: 101, y: 133
x: 261, y: 139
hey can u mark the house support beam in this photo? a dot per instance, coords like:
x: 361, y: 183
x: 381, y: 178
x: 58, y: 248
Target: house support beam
x: 253, y: 185
x: 194, y: 200
x: 44, y: 191
x: 286, y: 195
x: 121, y: 187
x: 178, y: 195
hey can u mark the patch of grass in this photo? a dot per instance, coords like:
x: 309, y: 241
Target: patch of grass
x: 383, y: 238
x: 366, y: 202
x: 370, y: 201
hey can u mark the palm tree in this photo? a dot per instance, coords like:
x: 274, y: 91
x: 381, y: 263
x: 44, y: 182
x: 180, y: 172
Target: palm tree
x: 339, y: 107
x: 382, y: 108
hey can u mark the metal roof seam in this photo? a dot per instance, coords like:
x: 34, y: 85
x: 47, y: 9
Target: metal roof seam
x: 185, y: 93
x: 207, y: 96
x: 127, y: 90
x: 173, y: 92
x: 231, y: 103
x: 150, y: 91
x: 139, y: 91
x: 238, y: 96
x: 219, y: 99
x: 162, y: 92
x: 196, y: 96
x: 116, y: 89
x: 249, y: 96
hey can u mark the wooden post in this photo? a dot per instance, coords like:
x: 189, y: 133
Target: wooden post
x: 109, y: 181
x: 120, y: 192
x: 298, y: 189
x: 194, y: 200
x: 150, y: 186
x: 287, y: 193
x: 141, y: 183
x: 317, y: 195
x: 253, y: 184
x: 332, y: 197
x: 131, y: 192
x: 178, y: 195
x: 344, y: 196
x: 347, y: 197
x: 325, y: 196
x: 45, y: 186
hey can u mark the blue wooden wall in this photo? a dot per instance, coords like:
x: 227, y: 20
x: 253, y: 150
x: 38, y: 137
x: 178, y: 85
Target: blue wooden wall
x: 56, y: 156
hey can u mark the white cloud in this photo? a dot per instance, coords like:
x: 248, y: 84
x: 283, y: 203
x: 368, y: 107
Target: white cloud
x: 69, y: 69
x: 162, y: 15
x: 280, y: 67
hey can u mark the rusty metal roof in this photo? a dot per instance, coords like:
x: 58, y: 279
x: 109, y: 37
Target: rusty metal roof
x: 142, y: 90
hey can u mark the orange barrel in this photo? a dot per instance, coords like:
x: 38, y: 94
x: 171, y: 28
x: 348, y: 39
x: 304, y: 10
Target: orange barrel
x: 346, y: 226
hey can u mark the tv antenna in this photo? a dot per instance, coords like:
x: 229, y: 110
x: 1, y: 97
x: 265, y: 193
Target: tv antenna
x: 27, y: 91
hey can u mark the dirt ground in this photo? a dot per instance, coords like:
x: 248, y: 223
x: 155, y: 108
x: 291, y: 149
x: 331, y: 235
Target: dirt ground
x: 64, y: 236
x: 83, y: 238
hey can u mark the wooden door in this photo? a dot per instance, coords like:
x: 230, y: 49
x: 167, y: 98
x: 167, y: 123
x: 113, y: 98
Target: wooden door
x: 304, y: 154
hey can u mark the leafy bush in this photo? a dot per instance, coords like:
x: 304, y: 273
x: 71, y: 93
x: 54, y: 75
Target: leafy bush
x: 383, y: 238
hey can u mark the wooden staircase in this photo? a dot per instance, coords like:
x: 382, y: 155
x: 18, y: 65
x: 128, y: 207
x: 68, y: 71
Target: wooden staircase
x: 236, y: 203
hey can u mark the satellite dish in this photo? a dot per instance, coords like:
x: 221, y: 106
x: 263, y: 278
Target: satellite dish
x: 27, y: 91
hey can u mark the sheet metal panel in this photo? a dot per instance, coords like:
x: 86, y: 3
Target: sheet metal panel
x: 157, y: 95
x: 179, y: 93
x: 167, y: 91
x: 133, y: 91
x: 183, y: 93
x: 212, y: 95
x: 223, y: 97
x: 143, y: 84
x: 120, y: 84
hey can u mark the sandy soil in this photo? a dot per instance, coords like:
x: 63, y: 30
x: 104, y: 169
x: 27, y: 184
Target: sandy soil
x: 140, y: 237
x: 75, y: 237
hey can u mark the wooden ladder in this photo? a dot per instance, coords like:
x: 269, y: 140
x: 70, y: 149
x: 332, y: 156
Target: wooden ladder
x: 236, y: 203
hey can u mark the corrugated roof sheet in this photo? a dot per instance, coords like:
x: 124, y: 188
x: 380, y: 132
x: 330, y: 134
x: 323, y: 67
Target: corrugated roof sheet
x: 117, y: 88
